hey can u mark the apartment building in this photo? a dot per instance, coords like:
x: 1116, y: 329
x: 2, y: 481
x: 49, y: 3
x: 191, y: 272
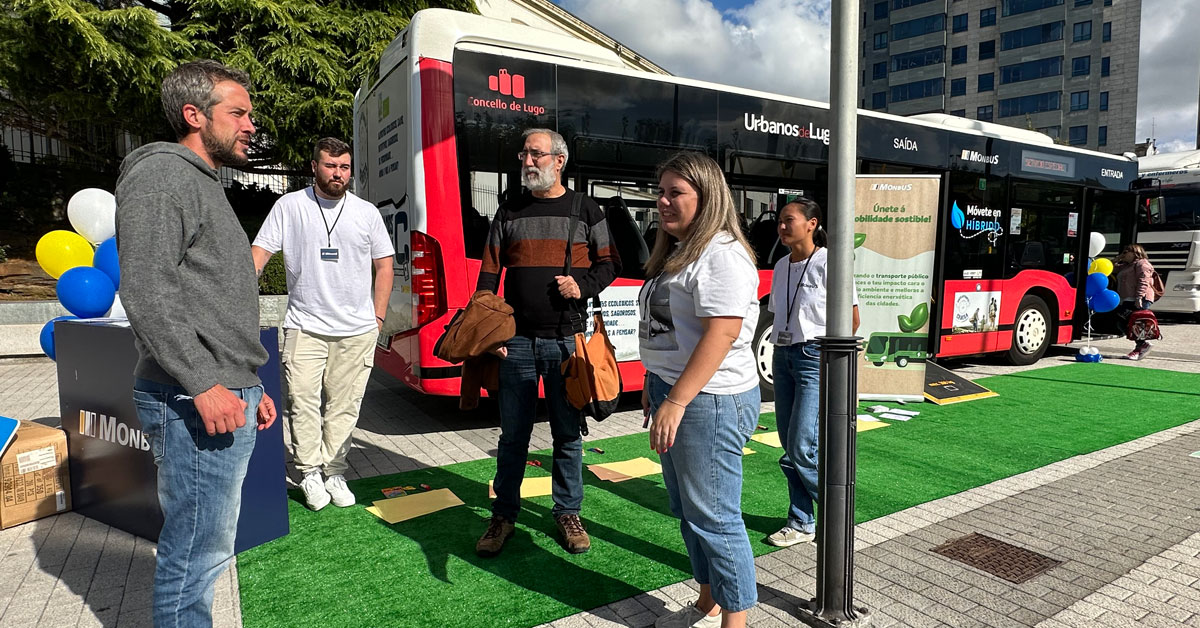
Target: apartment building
x: 1067, y: 68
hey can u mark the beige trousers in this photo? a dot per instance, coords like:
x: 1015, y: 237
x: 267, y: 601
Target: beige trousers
x: 338, y: 366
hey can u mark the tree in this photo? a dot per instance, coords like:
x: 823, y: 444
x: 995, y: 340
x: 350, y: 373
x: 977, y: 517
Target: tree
x: 67, y: 66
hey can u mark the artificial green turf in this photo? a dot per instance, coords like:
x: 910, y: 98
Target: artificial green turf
x: 344, y: 567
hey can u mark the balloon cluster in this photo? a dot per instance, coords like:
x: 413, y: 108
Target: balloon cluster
x: 1099, y: 297
x: 83, y: 261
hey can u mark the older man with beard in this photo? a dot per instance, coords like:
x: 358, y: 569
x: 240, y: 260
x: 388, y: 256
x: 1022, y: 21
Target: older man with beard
x: 528, y: 237
x: 187, y: 283
x: 331, y: 240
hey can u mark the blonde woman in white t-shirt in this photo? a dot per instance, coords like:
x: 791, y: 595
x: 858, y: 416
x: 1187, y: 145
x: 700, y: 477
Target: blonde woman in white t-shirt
x: 698, y: 312
x: 798, y: 292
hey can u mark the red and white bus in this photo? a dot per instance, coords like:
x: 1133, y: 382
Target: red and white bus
x: 438, y: 126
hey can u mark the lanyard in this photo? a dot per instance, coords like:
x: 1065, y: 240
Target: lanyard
x: 792, y: 298
x: 328, y: 228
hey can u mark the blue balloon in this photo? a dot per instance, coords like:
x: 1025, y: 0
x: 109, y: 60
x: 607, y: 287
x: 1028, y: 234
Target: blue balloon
x: 106, y: 260
x: 1106, y: 301
x: 86, y: 292
x: 46, y: 338
x: 1096, y: 283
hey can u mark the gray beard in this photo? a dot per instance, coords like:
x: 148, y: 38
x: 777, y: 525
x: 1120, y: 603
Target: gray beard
x: 541, y: 182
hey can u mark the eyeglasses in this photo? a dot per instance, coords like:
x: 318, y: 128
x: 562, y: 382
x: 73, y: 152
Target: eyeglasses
x: 536, y: 154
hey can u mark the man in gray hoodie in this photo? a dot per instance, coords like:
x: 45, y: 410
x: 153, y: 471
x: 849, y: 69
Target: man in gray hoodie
x: 189, y: 288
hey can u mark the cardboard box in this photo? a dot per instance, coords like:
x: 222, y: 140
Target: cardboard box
x: 34, y: 475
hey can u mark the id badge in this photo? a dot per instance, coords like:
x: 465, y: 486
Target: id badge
x: 329, y: 255
x: 784, y: 338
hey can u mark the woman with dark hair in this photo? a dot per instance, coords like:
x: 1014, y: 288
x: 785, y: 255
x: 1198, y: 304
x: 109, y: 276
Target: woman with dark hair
x: 1135, y: 284
x: 798, y: 302
x: 697, y: 315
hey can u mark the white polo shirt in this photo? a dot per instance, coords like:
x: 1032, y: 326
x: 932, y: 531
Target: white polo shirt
x: 805, y: 294
x: 325, y: 296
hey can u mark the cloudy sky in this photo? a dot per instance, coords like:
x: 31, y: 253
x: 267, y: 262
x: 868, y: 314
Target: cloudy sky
x: 782, y: 46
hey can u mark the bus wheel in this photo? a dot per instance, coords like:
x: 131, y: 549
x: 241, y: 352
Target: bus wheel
x: 1031, y: 331
x: 764, y: 354
x: 902, y: 362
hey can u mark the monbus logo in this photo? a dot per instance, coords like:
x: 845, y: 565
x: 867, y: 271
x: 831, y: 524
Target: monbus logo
x: 891, y: 187
x: 979, y: 158
x: 108, y: 428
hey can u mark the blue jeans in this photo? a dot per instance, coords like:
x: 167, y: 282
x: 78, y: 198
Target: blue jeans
x: 529, y: 358
x: 703, y: 474
x: 200, y: 493
x: 797, y: 372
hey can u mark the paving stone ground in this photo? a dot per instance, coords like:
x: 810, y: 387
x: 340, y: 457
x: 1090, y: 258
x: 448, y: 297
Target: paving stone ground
x: 1123, y: 520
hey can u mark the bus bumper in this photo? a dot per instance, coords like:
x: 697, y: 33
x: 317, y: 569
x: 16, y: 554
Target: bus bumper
x: 1182, y: 293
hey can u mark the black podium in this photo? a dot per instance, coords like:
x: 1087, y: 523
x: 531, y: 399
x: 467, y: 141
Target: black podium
x: 113, y: 476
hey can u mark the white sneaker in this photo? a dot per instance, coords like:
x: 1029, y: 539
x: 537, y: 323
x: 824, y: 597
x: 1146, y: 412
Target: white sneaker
x: 315, y: 494
x: 688, y: 617
x: 338, y: 491
x: 788, y: 536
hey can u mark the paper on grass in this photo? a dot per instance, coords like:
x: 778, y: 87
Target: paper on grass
x: 768, y: 438
x: 866, y: 427
x: 894, y: 417
x: 626, y: 469
x: 530, y: 487
x: 866, y: 417
x: 399, y: 509
x: 904, y: 412
x: 746, y: 451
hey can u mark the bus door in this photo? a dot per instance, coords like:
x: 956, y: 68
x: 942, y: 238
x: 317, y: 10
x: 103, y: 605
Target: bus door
x: 1046, y: 235
x: 972, y: 244
x: 1113, y: 215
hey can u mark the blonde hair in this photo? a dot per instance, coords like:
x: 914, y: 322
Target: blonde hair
x: 714, y: 214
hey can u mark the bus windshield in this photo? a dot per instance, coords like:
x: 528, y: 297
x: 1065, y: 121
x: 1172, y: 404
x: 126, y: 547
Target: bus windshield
x: 1172, y: 211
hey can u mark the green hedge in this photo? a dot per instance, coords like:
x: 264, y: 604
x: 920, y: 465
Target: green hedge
x: 273, y: 279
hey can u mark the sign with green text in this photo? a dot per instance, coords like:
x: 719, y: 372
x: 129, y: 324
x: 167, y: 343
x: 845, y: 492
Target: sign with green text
x: 895, y: 231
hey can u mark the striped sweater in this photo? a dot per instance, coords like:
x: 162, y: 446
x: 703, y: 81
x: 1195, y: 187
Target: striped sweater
x: 528, y: 238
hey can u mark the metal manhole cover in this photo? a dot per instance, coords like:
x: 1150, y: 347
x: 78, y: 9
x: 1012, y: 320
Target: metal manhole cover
x: 1015, y: 564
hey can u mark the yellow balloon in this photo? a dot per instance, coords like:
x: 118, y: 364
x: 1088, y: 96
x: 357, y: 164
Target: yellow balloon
x: 60, y: 251
x: 1101, y: 265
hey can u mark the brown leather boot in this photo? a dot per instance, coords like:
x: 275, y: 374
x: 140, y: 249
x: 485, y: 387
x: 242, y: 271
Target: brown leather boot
x: 575, y: 537
x: 499, y: 530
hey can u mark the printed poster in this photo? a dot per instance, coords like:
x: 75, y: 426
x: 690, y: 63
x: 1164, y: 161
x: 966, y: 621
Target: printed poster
x: 895, y: 232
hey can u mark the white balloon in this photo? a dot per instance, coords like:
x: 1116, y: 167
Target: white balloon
x: 117, y: 310
x: 93, y: 214
x: 1084, y: 351
x: 1096, y: 244
x: 1094, y: 351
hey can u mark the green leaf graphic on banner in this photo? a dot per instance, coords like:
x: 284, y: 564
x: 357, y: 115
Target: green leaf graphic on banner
x: 859, y: 238
x: 919, y: 316
x: 915, y: 320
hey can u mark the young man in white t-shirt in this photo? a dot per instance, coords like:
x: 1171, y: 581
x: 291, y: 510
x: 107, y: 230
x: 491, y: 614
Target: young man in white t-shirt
x: 331, y: 240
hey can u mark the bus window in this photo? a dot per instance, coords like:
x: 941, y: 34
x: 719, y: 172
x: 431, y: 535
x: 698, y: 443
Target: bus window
x: 629, y: 209
x: 974, y: 237
x: 1173, y: 211
x: 1044, y: 228
x: 1111, y: 217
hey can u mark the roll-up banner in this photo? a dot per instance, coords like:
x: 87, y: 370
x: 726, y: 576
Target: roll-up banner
x: 895, y: 232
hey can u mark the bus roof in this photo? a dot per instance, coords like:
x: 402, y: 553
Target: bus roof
x: 436, y: 33
x: 1186, y: 160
